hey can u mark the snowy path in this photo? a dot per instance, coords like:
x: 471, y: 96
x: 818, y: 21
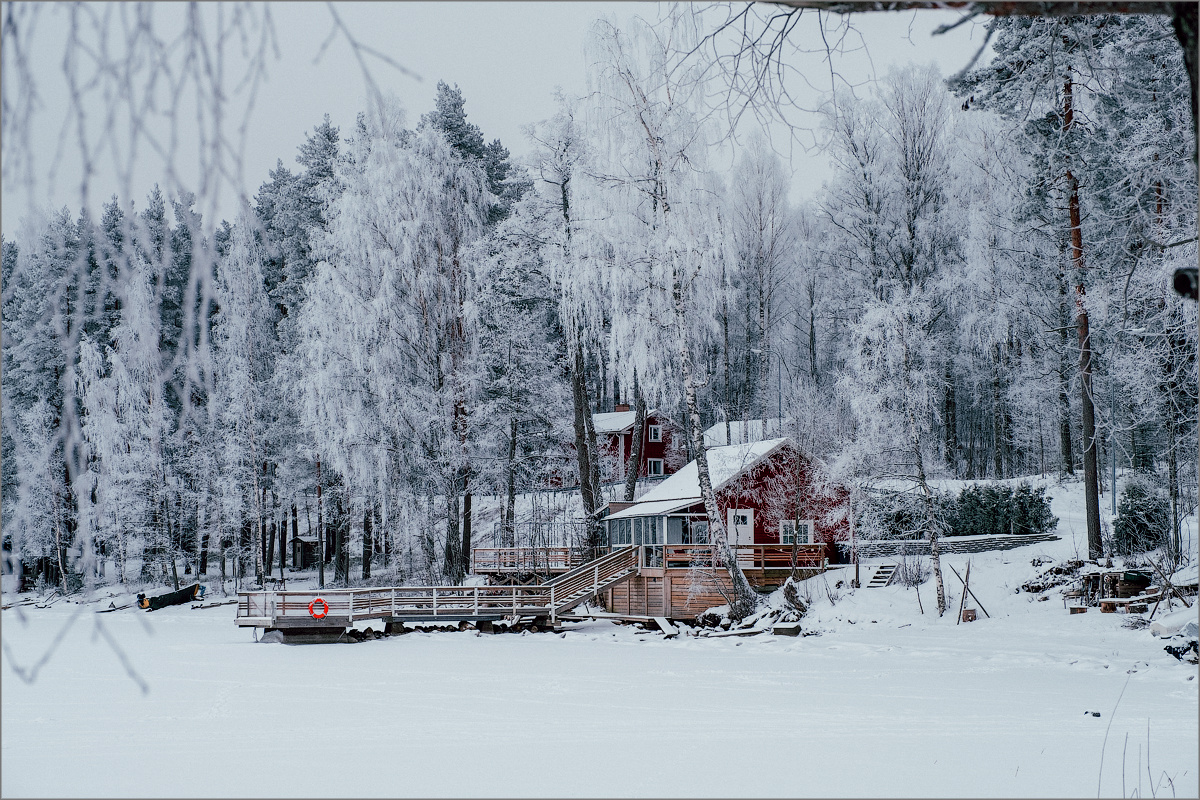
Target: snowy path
x: 994, y: 708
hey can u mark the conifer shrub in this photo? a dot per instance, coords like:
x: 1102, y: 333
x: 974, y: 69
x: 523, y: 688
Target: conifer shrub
x: 979, y: 510
x: 992, y: 510
x: 1143, y: 518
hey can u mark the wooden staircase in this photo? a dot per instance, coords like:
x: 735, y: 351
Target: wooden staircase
x: 587, y: 581
x: 882, y: 577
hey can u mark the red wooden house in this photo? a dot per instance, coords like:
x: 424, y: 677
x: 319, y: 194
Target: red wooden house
x: 662, y: 453
x: 779, y: 509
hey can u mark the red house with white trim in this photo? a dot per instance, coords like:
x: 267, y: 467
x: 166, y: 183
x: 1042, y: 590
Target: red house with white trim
x: 761, y: 489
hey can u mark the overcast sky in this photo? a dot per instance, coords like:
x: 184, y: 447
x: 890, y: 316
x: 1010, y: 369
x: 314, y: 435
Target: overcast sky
x: 508, y: 59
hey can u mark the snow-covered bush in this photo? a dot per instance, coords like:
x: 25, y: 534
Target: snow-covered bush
x: 912, y: 571
x: 1143, y: 518
x: 901, y: 515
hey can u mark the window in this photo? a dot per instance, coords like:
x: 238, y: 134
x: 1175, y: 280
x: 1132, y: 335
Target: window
x: 648, y: 530
x: 654, y: 466
x: 619, y: 533
x: 655, y: 433
x: 787, y: 531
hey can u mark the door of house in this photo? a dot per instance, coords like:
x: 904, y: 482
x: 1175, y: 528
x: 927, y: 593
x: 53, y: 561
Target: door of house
x: 741, y: 532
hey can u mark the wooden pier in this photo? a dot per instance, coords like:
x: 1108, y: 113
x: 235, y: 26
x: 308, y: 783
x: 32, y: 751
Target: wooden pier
x: 668, y: 581
x: 306, y: 612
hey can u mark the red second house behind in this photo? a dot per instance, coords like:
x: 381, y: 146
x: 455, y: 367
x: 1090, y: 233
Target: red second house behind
x: 662, y: 453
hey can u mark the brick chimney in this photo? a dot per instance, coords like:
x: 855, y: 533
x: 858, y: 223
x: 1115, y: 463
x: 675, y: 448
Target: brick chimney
x: 621, y: 407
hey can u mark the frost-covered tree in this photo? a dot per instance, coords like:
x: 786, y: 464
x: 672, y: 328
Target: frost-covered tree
x: 894, y: 379
x: 560, y: 167
x: 665, y: 241
x: 241, y: 349
x: 386, y: 349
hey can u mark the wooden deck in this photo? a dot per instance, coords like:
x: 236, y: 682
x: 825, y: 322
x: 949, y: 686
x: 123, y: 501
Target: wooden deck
x: 682, y: 581
x: 283, y: 610
x: 668, y: 581
x: 506, y: 562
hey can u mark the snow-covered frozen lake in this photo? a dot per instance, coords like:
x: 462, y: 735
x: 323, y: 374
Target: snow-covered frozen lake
x: 884, y: 702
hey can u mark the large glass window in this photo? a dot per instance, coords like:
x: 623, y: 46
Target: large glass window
x: 619, y: 532
x: 695, y: 531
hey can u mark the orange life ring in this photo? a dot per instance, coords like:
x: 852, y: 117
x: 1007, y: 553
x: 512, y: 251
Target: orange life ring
x: 324, y: 609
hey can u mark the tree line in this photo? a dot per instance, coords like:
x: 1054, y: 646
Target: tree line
x: 410, y: 318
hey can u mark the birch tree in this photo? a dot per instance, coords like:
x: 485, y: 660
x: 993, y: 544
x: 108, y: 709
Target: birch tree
x: 664, y: 225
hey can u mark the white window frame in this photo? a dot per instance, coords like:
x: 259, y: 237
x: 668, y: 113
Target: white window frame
x: 787, y: 529
x: 650, y: 463
x: 654, y: 433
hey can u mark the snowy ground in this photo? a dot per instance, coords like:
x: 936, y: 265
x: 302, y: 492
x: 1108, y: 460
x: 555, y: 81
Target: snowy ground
x: 884, y: 701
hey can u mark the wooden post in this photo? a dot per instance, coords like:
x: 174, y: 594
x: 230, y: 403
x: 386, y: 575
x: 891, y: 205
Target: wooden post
x: 435, y: 601
x: 963, y: 600
x: 967, y: 589
x: 477, y: 601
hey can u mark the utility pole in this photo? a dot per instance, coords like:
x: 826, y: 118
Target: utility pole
x: 1112, y: 441
x: 779, y: 389
x: 320, y: 534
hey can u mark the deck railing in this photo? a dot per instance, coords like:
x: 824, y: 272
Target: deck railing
x: 399, y: 601
x: 749, y: 556
x: 340, y: 606
x: 524, y: 560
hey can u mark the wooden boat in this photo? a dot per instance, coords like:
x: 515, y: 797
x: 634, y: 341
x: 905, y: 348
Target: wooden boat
x: 175, y: 598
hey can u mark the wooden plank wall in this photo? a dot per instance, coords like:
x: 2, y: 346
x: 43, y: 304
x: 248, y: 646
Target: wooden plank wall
x: 692, y: 593
x: 671, y: 595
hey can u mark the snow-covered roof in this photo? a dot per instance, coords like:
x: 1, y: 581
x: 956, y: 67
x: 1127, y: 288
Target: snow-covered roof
x: 740, y: 431
x: 618, y: 421
x: 683, y: 488
x: 654, y: 509
x: 613, y: 421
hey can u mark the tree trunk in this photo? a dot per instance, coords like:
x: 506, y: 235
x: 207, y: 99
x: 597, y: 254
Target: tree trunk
x: 585, y: 451
x: 465, y: 553
x: 1064, y: 397
x: 451, y: 557
x: 203, y: 533
x: 1091, y: 475
x: 368, y: 543
x: 341, y: 554
x: 950, y: 421
x: 509, y: 526
x: 320, y: 533
x: 812, y: 337
x: 931, y: 522
x: 1091, y: 471
x: 1172, y: 488
x: 997, y: 416
x: 744, y: 599
x: 633, y: 467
